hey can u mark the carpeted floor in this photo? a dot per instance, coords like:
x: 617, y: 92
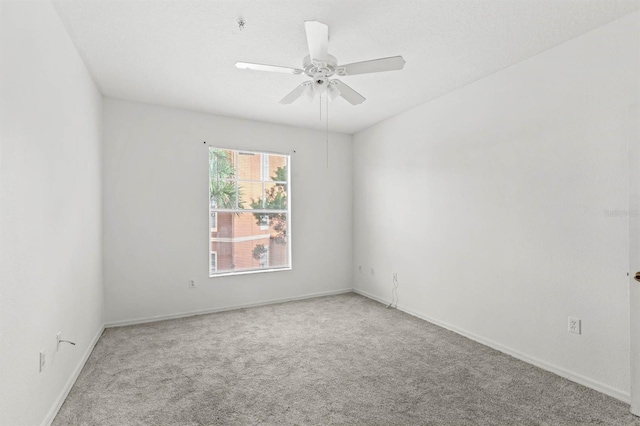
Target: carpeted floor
x: 332, y: 360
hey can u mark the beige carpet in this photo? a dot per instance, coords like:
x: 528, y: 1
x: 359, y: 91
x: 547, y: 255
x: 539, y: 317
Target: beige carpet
x: 332, y: 360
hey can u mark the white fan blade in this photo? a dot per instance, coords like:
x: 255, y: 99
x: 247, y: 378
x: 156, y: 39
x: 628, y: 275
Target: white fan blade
x: 270, y: 68
x: 374, y: 65
x: 309, y: 93
x: 333, y: 92
x: 353, y: 97
x: 296, y: 93
x: 317, y: 39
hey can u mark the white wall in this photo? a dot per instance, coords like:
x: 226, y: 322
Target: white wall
x: 50, y: 214
x: 490, y: 204
x: 156, y: 212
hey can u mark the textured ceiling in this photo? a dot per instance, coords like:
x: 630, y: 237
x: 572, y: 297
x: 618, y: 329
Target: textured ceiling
x: 181, y: 53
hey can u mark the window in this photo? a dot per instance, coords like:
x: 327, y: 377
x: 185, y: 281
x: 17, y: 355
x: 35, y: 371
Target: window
x: 249, y: 210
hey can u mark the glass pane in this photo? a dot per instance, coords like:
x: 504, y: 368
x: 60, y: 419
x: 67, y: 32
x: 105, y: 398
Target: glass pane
x: 275, y: 196
x: 250, y: 195
x: 243, y: 244
x: 221, y: 164
x: 277, y: 226
x: 277, y: 166
x: 249, y: 166
x: 213, y: 262
x: 223, y: 194
x: 224, y: 225
x: 213, y: 220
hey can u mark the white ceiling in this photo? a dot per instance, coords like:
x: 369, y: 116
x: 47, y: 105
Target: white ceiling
x: 181, y: 53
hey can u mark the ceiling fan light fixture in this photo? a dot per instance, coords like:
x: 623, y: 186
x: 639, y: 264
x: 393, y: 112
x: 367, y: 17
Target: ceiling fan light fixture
x: 320, y: 84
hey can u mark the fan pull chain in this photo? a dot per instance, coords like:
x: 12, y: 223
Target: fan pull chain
x: 320, y: 106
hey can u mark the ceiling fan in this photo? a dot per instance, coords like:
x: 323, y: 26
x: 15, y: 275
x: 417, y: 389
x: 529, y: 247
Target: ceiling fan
x: 320, y: 66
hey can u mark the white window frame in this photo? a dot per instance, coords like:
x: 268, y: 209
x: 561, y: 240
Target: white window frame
x: 263, y: 166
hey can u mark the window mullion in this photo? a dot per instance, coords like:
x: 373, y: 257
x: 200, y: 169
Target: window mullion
x: 251, y: 211
x: 235, y: 176
x: 262, y: 178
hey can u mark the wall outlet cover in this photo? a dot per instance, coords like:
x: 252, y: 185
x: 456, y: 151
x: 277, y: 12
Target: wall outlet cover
x: 575, y: 325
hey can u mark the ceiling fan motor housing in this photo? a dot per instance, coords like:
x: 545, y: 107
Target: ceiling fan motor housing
x: 314, y: 68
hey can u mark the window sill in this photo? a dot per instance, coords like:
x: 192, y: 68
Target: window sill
x: 252, y: 271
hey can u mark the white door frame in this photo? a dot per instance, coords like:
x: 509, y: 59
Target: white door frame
x: 633, y: 140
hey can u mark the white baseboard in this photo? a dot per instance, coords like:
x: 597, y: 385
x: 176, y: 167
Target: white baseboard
x: 121, y: 323
x: 562, y: 372
x: 72, y: 380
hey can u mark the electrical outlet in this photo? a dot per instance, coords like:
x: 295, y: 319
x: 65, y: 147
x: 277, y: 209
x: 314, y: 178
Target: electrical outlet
x: 192, y: 283
x: 43, y: 360
x: 575, y: 325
